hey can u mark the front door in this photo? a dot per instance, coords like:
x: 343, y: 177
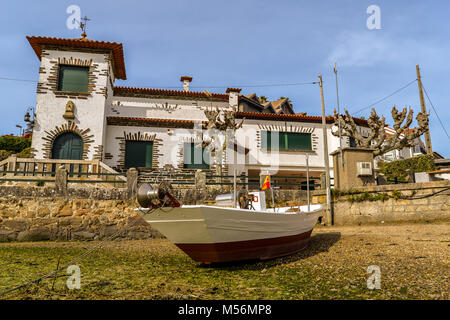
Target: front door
x: 68, y: 146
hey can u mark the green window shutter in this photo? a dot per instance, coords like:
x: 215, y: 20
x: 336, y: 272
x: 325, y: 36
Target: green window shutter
x: 265, y: 140
x: 298, y: 141
x: 138, y: 154
x: 286, y: 140
x: 73, y: 78
x: 195, y: 157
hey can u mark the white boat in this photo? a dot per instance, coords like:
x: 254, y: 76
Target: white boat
x: 219, y: 234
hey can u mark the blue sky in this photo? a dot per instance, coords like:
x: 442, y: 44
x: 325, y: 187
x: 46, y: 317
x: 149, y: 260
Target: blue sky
x: 249, y: 42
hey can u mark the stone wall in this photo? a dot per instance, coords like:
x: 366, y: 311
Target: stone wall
x: 41, y: 213
x: 426, y: 201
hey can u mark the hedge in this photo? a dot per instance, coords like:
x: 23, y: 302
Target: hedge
x: 14, y: 144
x: 398, y: 170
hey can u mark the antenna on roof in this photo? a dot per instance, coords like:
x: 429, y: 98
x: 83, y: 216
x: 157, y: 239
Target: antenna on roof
x: 83, y: 26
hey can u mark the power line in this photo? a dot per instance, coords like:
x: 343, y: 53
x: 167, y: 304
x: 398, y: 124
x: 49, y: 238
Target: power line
x: 388, y: 96
x: 437, y: 115
x: 14, y: 79
x: 201, y: 87
x: 258, y: 86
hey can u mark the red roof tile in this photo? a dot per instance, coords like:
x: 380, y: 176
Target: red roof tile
x: 119, y: 91
x: 152, y: 121
x: 116, y: 49
x: 290, y: 117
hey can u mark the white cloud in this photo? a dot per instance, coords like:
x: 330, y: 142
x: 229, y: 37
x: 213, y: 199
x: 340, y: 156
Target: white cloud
x: 362, y: 49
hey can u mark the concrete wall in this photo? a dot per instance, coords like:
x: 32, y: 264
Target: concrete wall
x: 425, y: 201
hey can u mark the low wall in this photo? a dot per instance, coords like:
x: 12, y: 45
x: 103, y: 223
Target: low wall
x: 425, y: 201
x: 29, y: 213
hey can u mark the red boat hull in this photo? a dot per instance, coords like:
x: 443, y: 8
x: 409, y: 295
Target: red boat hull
x: 261, y: 249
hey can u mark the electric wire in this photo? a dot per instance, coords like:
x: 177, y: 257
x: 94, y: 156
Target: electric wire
x: 200, y: 87
x: 437, y: 114
x: 386, y: 97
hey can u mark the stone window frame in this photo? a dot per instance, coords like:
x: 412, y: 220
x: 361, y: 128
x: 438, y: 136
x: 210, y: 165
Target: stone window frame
x: 288, y: 128
x: 54, y: 77
x: 50, y: 137
x: 139, y: 136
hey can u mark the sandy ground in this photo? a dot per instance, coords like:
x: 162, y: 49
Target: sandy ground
x: 413, y: 260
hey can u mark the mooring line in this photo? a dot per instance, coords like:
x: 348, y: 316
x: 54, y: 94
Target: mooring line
x: 54, y: 273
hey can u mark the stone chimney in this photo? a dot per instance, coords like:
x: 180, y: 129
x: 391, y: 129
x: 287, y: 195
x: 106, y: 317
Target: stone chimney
x: 233, y: 97
x: 186, y: 81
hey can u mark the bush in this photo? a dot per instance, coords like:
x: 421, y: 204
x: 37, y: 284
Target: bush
x: 14, y: 144
x: 398, y: 170
x: 4, y: 154
x: 25, y: 153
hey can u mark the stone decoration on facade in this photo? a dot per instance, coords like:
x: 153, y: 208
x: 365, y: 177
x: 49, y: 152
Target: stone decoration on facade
x: 51, y: 135
x: 70, y: 110
x: 138, y: 136
x: 378, y: 140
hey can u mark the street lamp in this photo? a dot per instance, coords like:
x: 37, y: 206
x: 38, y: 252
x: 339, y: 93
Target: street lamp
x: 29, y: 119
x: 20, y: 129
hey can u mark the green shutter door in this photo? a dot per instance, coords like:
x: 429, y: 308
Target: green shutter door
x: 138, y: 154
x: 68, y: 146
x: 195, y: 158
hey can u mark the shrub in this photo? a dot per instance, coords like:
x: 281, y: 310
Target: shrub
x: 398, y: 170
x: 14, y: 144
x: 4, y: 154
x: 25, y: 153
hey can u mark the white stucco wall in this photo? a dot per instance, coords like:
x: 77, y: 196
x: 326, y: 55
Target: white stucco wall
x: 89, y: 112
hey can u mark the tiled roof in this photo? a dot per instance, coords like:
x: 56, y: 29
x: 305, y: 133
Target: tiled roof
x: 116, y: 49
x: 233, y: 90
x: 390, y: 131
x: 125, y: 91
x: 149, y: 122
x: 291, y: 117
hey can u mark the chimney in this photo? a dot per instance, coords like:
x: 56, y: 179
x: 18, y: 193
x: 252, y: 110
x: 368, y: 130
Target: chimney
x: 186, y: 81
x: 233, y: 97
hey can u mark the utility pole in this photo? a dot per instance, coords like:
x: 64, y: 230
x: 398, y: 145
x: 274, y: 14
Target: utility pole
x: 326, y: 155
x: 339, y: 114
x: 424, y: 111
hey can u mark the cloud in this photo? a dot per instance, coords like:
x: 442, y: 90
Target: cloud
x: 362, y: 49
x: 365, y: 49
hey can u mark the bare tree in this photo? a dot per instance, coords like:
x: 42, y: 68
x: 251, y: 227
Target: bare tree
x: 378, y: 140
x: 221, y: 124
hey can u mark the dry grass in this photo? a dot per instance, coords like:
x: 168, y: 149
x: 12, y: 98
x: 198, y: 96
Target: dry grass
x: 414, y: 262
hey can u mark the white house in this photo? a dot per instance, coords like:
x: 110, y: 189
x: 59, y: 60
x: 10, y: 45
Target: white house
x: 81, y: 114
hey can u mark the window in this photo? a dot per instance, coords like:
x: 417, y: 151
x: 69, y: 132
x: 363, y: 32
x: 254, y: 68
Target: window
x: 292, y: 141
x: 73, y: 78
x: 138, y: 154
x: 195, y: 157
x: 352, y: 142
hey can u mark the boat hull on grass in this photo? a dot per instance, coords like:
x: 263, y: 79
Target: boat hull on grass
x: 215, y: 234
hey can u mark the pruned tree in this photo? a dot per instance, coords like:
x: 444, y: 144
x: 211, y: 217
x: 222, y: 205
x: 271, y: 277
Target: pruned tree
x: 221, y: 123
x: 378, y: 140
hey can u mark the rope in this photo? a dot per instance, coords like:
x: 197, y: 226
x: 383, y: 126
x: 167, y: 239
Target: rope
x: 425, y: 196
x: 79, y: 258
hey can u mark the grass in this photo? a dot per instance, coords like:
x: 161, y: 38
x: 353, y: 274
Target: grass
x: 332, y: 267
